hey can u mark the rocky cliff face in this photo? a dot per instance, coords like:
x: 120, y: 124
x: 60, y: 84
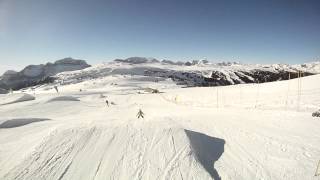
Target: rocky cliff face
x: 38, y: 74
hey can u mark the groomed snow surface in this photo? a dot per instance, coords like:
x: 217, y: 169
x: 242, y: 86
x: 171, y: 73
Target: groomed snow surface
x: 254, y: 131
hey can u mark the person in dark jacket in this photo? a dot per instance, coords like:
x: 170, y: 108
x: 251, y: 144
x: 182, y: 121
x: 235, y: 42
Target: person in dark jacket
x: 140, y: 114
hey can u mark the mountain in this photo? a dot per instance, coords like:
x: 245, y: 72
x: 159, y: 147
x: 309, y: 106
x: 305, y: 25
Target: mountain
x: 188, y: 74
x: 137, y: 60
x: 195, y: 73
x: 37, y: 74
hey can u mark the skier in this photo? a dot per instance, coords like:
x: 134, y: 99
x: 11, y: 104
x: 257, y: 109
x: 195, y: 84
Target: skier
x: 56, y: 88
x: 140, y: 114
x: 107, y: 103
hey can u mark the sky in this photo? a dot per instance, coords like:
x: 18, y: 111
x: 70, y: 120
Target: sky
x: 248, y: 31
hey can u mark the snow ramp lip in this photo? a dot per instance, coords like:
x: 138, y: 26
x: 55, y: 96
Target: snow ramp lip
x: 13, y: 123
x: 207, y: 150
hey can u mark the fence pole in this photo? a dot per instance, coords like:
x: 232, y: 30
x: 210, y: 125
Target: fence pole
x: 217, y: 97
x: 287, y: 98
x: 298, y: 103
x: 257, y: 97
x: 317, y: 170
x: 240, y: 98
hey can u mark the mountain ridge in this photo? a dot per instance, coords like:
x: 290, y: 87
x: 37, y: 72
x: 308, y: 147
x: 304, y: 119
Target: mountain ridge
x: 188, y: 74
x: 37, y: 74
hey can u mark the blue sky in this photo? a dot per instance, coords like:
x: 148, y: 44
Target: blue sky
x: 250, y: 31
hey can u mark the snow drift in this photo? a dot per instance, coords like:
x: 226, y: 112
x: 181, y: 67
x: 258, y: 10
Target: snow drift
x: 15, y: 98
x: 64, y: 98
x: 12, y: 123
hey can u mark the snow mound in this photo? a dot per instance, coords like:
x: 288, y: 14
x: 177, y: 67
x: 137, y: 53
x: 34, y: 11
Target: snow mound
x: 12, y: 123
x: 15, y: 98
x: 122, y: 153
x: 64, y: 98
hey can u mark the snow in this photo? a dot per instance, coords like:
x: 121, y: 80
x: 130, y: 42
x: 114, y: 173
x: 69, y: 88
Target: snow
x: 12, y: 123
x: 64, y: 98
x: 15, y: 98
x: 247, y: 131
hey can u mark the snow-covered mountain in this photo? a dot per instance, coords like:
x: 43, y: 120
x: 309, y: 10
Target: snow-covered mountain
x: 188, y: 74
x: 195, y: 73
x: 137, y: 60
x: 37, y: 74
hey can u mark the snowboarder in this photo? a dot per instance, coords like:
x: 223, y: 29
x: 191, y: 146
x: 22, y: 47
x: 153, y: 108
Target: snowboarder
x: 56, y: 88
x: 140, y: 114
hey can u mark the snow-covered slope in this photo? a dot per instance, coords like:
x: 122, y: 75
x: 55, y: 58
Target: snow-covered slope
x: 247, y: 131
